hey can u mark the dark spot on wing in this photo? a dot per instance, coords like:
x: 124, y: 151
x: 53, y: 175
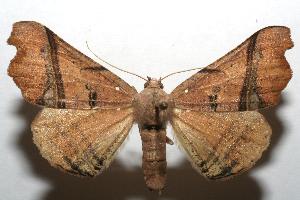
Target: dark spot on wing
x: 213, y: 102
x: 92, y: 96
x: 76, y: 167
x: 99, y: 162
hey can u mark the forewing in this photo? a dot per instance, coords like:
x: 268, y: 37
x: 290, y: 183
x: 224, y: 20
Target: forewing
x: 221, y: 144
x: 52, y: 73
x: 247, y: 78
x: 81, y: 142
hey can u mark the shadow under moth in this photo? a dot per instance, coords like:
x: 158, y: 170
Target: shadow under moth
x: 89, y: 111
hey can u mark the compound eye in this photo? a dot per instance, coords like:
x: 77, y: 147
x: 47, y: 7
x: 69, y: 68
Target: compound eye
x: 146, y: 84
x: 163, y: 105
x: 160, y: 85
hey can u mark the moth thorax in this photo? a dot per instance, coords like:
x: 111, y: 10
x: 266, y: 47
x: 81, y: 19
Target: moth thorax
x: 152, y: 108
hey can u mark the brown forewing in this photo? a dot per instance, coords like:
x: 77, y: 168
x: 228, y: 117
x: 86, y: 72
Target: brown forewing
x: 221, y: 144
x: 81, y: 142
x: 52, y: 73
x: 247, y: 78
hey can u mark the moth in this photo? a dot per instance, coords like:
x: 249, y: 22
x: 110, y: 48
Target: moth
x: 89, y: 111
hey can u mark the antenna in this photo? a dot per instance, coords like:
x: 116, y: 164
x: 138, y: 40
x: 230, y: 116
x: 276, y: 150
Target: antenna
x: 187, y: 70
x: 113, y: 65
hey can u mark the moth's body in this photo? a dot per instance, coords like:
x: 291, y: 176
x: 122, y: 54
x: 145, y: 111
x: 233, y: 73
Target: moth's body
x: 89, y: 111
x: 152, y: 109
x: 152, y: 106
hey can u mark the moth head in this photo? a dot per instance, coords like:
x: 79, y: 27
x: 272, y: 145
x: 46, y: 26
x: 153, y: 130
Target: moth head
x: 153, y: 83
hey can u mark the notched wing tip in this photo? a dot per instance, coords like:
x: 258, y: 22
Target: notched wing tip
x: 13, y: 41
x: 285, y: 31
x: 289, y: 38
x: 16, y: 25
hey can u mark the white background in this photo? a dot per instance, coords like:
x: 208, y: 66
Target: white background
x: 151, y: 38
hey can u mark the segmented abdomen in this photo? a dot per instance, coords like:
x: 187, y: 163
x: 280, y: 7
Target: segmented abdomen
x: 154, y: 158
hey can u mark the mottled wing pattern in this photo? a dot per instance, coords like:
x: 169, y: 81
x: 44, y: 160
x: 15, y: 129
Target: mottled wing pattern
x: 81, y: 142
x: 247, y: 78
x: 221, y: 144
x: 52, y: 73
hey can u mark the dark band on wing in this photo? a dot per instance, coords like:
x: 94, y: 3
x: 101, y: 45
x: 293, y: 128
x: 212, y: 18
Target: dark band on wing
x: 249, y: 97
x: 208, y: 71
x: 94, y: 69
x: 56, y: 69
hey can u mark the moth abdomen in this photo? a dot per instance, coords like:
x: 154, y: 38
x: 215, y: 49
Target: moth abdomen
x: 154, y: 158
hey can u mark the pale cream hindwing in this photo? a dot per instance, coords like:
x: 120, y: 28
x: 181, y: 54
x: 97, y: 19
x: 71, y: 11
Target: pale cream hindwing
x: 81, y: 142
x: 221, y: 144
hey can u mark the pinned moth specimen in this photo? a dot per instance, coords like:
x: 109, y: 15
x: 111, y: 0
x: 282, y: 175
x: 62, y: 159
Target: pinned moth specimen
x: 89, y: 111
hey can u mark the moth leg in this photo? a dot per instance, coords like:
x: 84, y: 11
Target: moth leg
x: 169, y: 141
